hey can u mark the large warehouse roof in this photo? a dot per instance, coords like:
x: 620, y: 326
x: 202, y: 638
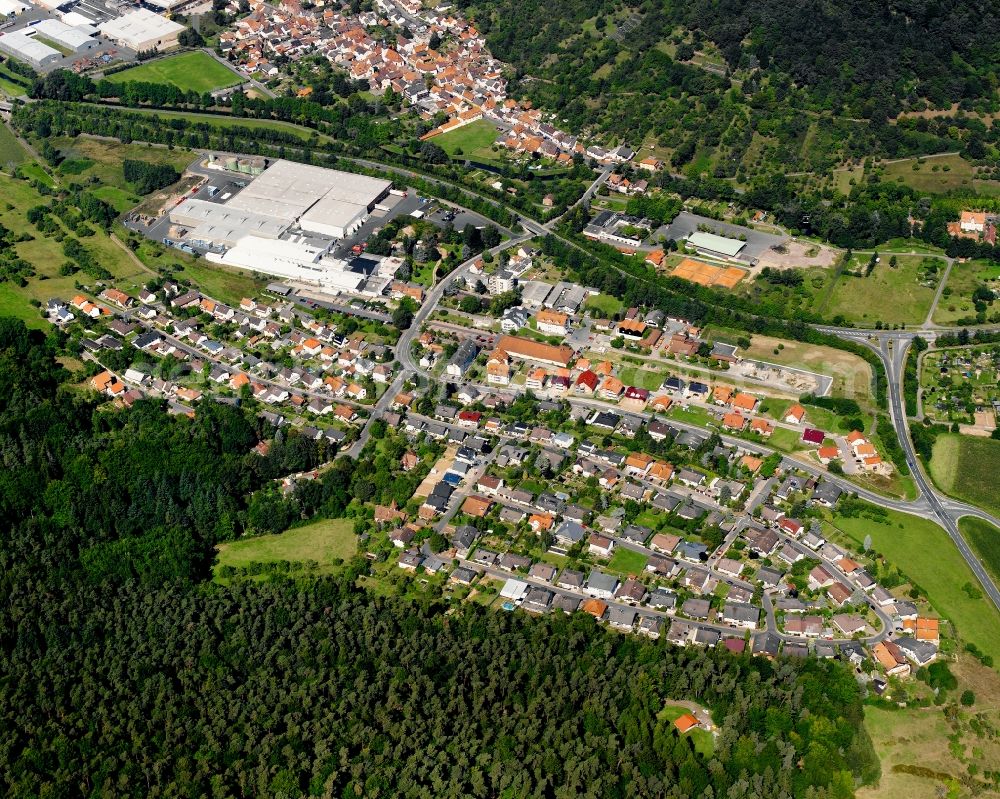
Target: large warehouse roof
x: 712, y: 243
x: 21, y: 45
x: 66, y: 35
x: 288, y: 189
x: 140, y: 26
x: 8, y: 7
x: 292, y: 261
x: 223, y: 224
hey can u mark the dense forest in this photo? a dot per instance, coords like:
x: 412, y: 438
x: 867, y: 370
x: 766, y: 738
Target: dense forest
x: 127, y: 674
x: 784, y: 86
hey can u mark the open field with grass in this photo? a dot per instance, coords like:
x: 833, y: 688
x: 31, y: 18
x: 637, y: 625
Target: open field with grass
x: 46, y: 255
x: 956, y: 300
x: 938, y: 174
x: 471, y: 141
x: 627, y: 561
x: 12, y: 154
x: 86, y: 157
x: 195, y: 71
x: 702, y: 739
x: 984, y: 539
x: 887, y: 295
x: 922, y: 551
x: 926, y: 751
x: 968, y: 468
x: 603, y: 302
x: 223, y: 122
x: 851, y: 373
x: 325, y: 542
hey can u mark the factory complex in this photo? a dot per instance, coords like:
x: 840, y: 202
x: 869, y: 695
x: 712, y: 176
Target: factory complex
x: 285, y: 222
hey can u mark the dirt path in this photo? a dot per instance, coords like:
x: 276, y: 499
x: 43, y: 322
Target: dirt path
x: 132, y: 255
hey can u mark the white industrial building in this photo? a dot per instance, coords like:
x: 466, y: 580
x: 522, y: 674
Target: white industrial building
x: 217, y: 224
x: 291, y: 260
x: 324, y: 201
x: 11, y: 8
x: 76, y: 39
x: 24, y: 47
x: 142, y: 30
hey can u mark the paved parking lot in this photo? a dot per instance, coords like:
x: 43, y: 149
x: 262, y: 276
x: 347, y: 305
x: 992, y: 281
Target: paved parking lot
x: 687, y: 223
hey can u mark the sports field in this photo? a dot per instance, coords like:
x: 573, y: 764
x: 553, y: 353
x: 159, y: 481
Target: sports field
x: 188, y: 71
x: 708, y: 275
x: 968, y: 468
x: 325, y: 542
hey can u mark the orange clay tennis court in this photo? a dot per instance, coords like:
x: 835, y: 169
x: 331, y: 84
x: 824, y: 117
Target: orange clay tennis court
x: 707, y: 275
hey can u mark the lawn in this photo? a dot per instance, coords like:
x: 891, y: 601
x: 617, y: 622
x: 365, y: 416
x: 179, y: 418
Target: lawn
x: 120, y: 199
x: 11, y: 89
x: 195, y: 71
x: 925, y: 554
x: 603, y: 302
x: 937, y: 175
x: 984, y: 539
x: 967, y: 468
x: 627, y: 561
x: 473, y: 141
x: 887, y: 295
x: 11, y: 152
x: 704, y: 743
x: 46, y: 255
x: 222, y: 283
x: 851, y: 373
x: 643, y: 378
x: 325, y: 542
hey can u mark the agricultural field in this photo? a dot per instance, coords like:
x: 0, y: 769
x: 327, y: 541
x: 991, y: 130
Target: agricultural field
x: 46, y: 255
x: 958, y: 303
x: 12, y: 154
x: 922, y: 551
x: 968, y: 468
x: 984, y: 539
x: 937, y: 175
x: 862, y: 300
x: 955, y: 382
x: 195, y: 71
x: 472, y: 141
x: 326, y: 542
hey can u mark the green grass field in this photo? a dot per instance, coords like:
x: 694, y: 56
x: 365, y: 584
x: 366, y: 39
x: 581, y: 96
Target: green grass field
x: 937, y: 175
x: 704, y: 743
x: 604, y: 302
x: 471, y: 141
x: 968, y: 468
x: 219, y: 121
x: 46, y: 255
x: 85, y: 157
x: 924, y: 553
x: 956, y: 299
x: 188, y: 71
x: 325, y: 542
x: 627, y: 561
x: 12, y: 154
x: 984, y: 539
x: 864, y: 299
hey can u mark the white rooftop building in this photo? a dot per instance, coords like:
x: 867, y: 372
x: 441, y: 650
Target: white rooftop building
x: 218, y: 224
x: 323, y: 201
x: 67, y: 36
x: 24, y: 47
x: 142, y: 30
x: 291, y: 260
x: 11, y: 8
